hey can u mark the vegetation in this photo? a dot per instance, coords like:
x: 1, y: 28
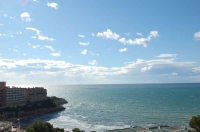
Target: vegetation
x: 195, y: 123
x: 30, y: 106
x: 77, y: 130
x: 39, y: 126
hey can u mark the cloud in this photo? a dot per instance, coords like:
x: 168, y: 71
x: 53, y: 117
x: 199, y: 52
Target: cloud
x: 139, y: 34
x: 35, y: 1
x: 93, y: 34
x: 93, y: 62
x: 29, y: 44
x: 174, y: 74
x: 24, y: 54
x: 33, y: 29
x: 91, y: 53
x: 140, y: 41
x: 19, y: 32
x: 35, y: 46
x: 5, y: 15
x: 84, y: 44
x: 81, y: 36
x: 55, y: 54
x: 25, y: 16
x: 50, y: 48
x: 144, y: 69
x: 167, y: 56
x: 6, y: 35
x: 127, y: 34
x: 1, y: 24
x: 84, y: 51
x: 13, y: 50
x: 108, y: 34
x: 196, y: 69
x: 40, y: 37
x: 53, y: 5
x: 197, y: 35
x: 123, y: 50
x: 155, y: 70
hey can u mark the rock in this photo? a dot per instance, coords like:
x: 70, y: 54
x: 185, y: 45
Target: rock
x: 59, y: 101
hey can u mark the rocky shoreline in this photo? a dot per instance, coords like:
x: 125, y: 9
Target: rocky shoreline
x: 23, y: 115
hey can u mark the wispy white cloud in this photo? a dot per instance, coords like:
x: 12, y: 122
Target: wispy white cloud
x: 1, y: 24
x: 196, y: 69
x: 53, y: 5
x: 34, y: 37
x: 84, y: 51
x: 50, y: 48
x: 127, y: 34
x: 93, y: 34
x: 5, y: 15
x: 35, y: 46
x: 108, y: 34
x: 6, y: 35
x: 25, y: 16
x: 197, y: 35
x: 146, y: 68
x: 91, y: 53
x: 19, y: 32
x: 123, y: 50
x: 81, y: 36
x: 156, y: 69
x: 38, y: 33
x: 13, y: 50
x: 33, y: 29
x: 24, y: 54
x: 29, y: 44
x: 167, y: 56
x: 139, y: 34
x: 84, y: 43
x: 35, y: 1
x: 140, y: 41
x: 93, y: 62
x: 55, y: 54
x: 40, y: 37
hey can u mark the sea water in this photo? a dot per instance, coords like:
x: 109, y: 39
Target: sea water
x: 106, y: 107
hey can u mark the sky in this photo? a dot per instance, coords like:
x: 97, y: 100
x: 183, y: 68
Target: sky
x: 99, y: 41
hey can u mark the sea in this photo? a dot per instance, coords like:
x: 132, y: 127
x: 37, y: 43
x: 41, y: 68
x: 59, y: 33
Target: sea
x: 116, y: 106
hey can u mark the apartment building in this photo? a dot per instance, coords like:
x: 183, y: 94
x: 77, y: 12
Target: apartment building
x: 2, y: 84
x: 36, y: 94
x: 14, y: 96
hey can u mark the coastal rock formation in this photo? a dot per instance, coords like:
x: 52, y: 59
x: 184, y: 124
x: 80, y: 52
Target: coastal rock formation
x: 58, y: 101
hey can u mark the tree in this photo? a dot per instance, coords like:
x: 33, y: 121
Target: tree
x: 77, y: 130
x: 39, y: 126
x: 58, y: 129
x: 195, y: 123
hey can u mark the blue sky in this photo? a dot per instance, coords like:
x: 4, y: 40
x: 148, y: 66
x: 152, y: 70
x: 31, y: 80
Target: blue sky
x: 99, y: 42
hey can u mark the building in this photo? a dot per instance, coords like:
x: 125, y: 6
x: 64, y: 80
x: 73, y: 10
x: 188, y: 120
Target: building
x: 17, y: 96
x: 2, y: 84
x: 35, y: 94
x: 13, y: 96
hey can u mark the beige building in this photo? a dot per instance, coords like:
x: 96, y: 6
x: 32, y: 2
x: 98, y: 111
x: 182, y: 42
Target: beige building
x: 13, y: 96
x: 19, y: 96
x: 35, y: 94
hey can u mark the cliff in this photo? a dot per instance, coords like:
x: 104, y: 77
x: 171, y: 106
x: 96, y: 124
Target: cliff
x: 58, y: 101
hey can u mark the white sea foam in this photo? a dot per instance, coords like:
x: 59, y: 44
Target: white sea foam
x: 70, y: 123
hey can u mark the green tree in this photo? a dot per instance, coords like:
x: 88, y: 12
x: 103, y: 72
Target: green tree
x: 39, y: 126
x: 77, y: 130
x: 58, y: 129
x: 195, y: 123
